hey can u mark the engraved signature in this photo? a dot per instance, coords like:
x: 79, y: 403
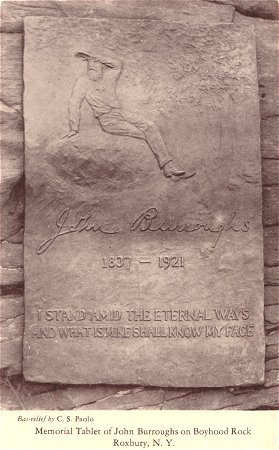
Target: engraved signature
x: 83, y: 224
x: 147, y: 222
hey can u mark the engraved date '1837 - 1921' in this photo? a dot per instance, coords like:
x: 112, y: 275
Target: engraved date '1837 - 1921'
x: 147, y: 221
x: 124, y: 262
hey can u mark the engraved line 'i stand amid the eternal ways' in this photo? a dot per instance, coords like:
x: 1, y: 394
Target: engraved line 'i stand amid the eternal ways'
x: 143, y: 232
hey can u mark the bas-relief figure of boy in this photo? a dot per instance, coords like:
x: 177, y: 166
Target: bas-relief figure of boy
x: 98, y: 87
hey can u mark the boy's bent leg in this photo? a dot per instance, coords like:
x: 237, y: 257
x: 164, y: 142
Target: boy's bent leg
x: 152, y: 136
x: 157, y: 145
x: 141, y: 129
x: 119, y: 126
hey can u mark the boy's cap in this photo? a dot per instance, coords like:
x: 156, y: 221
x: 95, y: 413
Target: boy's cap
x: 83, y: 55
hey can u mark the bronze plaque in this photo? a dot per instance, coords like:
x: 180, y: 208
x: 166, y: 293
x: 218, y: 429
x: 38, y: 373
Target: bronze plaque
x: 143, y: 234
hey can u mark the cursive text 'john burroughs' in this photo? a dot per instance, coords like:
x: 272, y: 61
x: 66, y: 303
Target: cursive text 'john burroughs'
x: 148, y: 221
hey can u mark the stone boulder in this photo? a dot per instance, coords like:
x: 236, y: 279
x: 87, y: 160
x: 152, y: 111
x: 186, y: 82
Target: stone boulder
x: 96, y: 160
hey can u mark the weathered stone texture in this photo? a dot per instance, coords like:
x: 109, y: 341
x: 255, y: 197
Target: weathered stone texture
x: 10, y: 307
x: 187, y: 12
x: 265, y: 9
x: 190, y: 11
x: 218, y: 399
x: 270, y: 205
x: 86, y: 395
x: 12, y: 206
x: 53, y: 400
x: 16, y: 238
x: 272, y: 379
x: 11, y: 356
x: 11, y: 331
x: 271, y: 295
x: 11, y: 255
x: 272, y: 364
x: 11, y: 328
x: 267, y: 59
x: 11, y: 276
x: 11, y: 186
x: 138, y: 397
x: 271, y: 314
x: 11, y: 269
x: 11, y: 69
x: 271, y: 238
x: 270, y: 137
x: 146, y: 399
x: 270, y: 172
x: 272, y: 345
x: 13, y: 13
x: 271, y: 276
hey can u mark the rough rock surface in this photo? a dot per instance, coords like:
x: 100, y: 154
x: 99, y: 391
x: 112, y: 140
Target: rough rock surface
x: 267, y: 58
x: 190, y: 11
x: 14, y: 390
x: 11, y: 69
x: 270, y: 138
x: 271, y: 276
x: 271, y: 246
x: 11, y: 328
x: 270, y: 202
x: 94, y: 158
x: 12, y: 184
x: 265, y: 9
x: 270, y: 169
x: 271, y: 295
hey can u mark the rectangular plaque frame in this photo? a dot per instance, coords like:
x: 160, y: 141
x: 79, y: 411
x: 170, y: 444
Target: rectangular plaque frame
x: 137, y: 273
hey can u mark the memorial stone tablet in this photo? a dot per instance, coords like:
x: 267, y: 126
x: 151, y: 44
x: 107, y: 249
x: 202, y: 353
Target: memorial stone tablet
x: 143, y: 232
